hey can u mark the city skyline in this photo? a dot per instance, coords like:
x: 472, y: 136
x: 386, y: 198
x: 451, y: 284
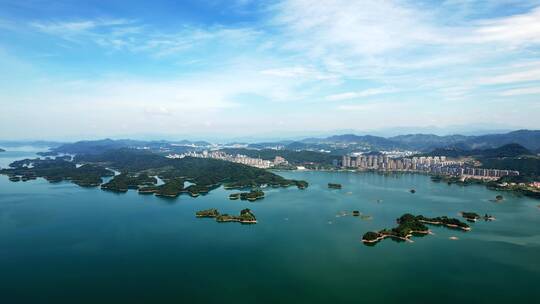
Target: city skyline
x: 281, y: 68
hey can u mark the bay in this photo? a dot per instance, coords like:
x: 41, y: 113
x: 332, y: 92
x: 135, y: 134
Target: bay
x: 60, y: 243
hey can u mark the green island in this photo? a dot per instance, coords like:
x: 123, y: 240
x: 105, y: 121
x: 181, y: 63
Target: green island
x: 213, y: 213
x: 57, y: 170
x: 139, y: 168
x: 15, y: 178
x: 2, y: 150
x: 243, y: 184
x: 334, y: 186
x: 245, y: 217
x: 251, y: 196
x: 473, y: 217
x: 470, y: 216
x: 409, y: 225
x: 234, y: 196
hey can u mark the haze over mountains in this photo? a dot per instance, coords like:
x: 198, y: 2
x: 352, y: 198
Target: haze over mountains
x: 530, y: 139
x: 337, y: 144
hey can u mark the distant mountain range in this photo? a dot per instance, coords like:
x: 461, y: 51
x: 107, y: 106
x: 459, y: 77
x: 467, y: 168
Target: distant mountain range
x: 509, y: 150
x: 100, y: 146
x: 335, y: 144
x: 529, y: 139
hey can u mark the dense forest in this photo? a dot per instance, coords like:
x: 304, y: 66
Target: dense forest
x: 201, y: 171
x: 138, y: 167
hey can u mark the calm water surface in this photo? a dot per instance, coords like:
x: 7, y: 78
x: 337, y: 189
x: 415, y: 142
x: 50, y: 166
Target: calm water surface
x: 60, y: 243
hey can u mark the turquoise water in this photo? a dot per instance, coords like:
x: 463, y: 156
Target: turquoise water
x: 60, y: 243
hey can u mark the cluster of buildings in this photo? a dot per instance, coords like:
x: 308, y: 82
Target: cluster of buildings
x: 428, y: 164
x: 387, y: 163
x: 238, y: 158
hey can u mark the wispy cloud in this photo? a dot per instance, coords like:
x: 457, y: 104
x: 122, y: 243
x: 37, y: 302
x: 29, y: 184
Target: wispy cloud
x: 359, y: 94
x: 521, y: 91
x: 514, y: 30
x: 63, y: 28
x: 298, y: 72
x: 134, y: 36
x: 522, y: 75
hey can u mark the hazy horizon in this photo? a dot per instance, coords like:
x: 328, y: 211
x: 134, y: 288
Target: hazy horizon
x: 274, y: 137
x: 266, y: 69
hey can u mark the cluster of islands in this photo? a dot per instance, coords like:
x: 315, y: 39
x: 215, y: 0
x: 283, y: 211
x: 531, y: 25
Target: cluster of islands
x: 150, y: 173
x: 410, y: 225
x: 139, y: 169
x: 245, y: 217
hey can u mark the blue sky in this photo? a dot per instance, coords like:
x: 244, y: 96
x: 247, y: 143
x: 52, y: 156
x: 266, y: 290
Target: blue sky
x: 219, y: 69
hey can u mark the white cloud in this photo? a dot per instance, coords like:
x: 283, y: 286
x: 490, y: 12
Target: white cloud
x: 134, y: 36
x: 74, y: 27
x: 513, y: 30
x: 521, y: 91
x: 359, y: 94
x: 523, y: 75
x: 298, y: 72
x: 356, y: 27
x: 357, y: 107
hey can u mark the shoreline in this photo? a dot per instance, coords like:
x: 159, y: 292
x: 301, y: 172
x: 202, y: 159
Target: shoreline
x: 446, y: 225
x: 407, y: 238
x: 477, y: 181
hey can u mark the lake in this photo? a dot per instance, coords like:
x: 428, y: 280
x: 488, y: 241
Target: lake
x: 60, y: 243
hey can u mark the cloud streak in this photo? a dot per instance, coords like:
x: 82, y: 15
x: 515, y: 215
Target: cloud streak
x: 303, y: 61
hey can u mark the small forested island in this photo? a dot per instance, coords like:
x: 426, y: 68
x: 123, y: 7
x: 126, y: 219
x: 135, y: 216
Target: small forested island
x: 207, y: 213
x: 470, y: 216
x: 245, y: 217
x: 139, y: 169
x: 251, y: 196
x: 409, y: 225
x: 413, y: 191
x: 2, y: 150
x: 334, y: 186
x: 15, y: 178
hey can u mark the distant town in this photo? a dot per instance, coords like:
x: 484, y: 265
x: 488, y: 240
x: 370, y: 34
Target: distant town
x: 238, y: 158
x: 387, y: 161
x: 430, y: 164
